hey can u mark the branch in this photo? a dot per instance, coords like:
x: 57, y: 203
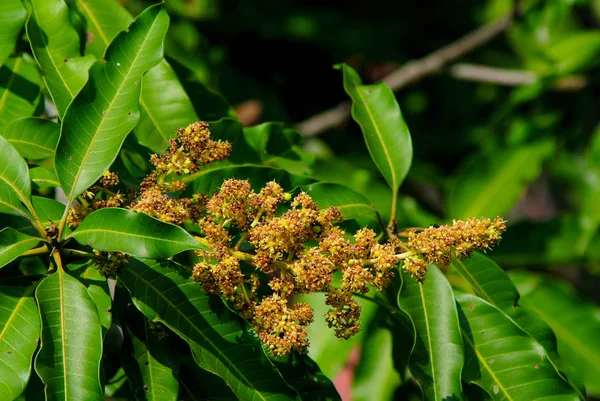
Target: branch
x: 410, y: 72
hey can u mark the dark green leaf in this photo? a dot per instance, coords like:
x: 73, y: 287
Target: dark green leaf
x: 437, y: 357
x: 55, y: 45
x: 305, y: 376
x: 12, y: 17
x: 503, y: 359
x: 219, y: 340
x: 352, y: 204
x: 19, y: 334
x: 43, y: 178
x: 490, y: 185
x: 166, y: 107
x: 13, y: 244
x: 33, y: 138
x: 575, y: 321
x: 197, y: 384
x: 20, y: 89
x: 375, y: 109
x: 109, y: 102
x: 271, y: 139
x: 137, y: 234
x: 230, y: 130
x: 71, y: 348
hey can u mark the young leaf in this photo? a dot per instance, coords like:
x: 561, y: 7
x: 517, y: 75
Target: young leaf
x: 13, y: 243
x: 12, y: 17
x: 504, y: 360
x: 436, y: 360
x: 352, y: 204
x: 491, y: 185
x: 114, y: 229
x: 576, y: 323
x: 20, y: 91
x: 33, y: 138
x: 219, y: 340
x: 15, y: 187
x: 19, y: 334
x: 71, y: 348
x: 166, y: 107
x: 375, y: 109
x: 55, y: 45
x: 107, y: 108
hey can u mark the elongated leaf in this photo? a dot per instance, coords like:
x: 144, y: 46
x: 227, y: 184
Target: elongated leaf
x: 231, y: 130
x: 12, y: 17
x: 197, y: 384
x: 48, y: 210
x: 19, y: 334
x: 15, y: 187
x: 437, y: 357
x: 98, y: 289
x: 33, y: 138
x: 503, y: 359
x: 166, y: 108
x: 109, y: 102
x: 375, y: 109
x: 13, y: 243
x: 148, y: 363
x: 352, y: 204
x: 43, y: 178
x: 491, y: 185
x: 20, y: 89
x: 220, y: 343
x: 575, y: 321
x: 55, y: 45
x: 69, y: 358
x: 137, y: 234
x: 304, y: 375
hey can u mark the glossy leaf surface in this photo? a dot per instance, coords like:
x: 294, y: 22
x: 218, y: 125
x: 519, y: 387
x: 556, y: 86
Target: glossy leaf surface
x: 15, y: 187
x: 12, y: 17
x: 13, y: 243
x: 33, y: 138
x: 20, y: 89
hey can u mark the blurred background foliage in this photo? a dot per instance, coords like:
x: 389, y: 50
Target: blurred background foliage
x: 525, y: 146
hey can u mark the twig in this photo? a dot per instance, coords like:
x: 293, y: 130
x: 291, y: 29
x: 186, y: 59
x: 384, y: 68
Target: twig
x: 410, y: 72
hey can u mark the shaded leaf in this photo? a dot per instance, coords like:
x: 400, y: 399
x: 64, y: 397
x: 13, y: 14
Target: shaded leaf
x: 55, y: 45
x: 352, y: 204
x: 109, y: 102
x: 20, y: 89
x: 437, y: 357
x: 231, y: 130
x: 43, y: 178
x: 71, y: 348
x: 12, y: 17
x: 490, y: 185
x: 504, y: 360
x: 33, y: 138
x: 114, y: 229
x: 375, y: 109
x: 575, y: 321
x: 220, y: 343
x: 305, y: 376
x: 197, y: 384
x: 13, y: 244
x: 19, y: 334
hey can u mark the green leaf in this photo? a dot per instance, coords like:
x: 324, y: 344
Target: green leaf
x: 197, y: 384
x: 49, y: 210
x: 71, y: 349
x: 375, y: 109
x: 437, y: 357
x: 375, y: 378
x: 43, y: 178
x: 575, y: 52
x: 503, y: 359
x: 231, y: 130
x: 109, y: 102
x: 33, y: 138
x: 19, y: 334
x: 12, y: 17
x: 352, y: 204
x: 105, y: 19
x: 271, y: 139
x: 20, y: 89
x: 15, y: 187
x: 219, y: 340
x: 148, y: 361
x: 209, y: 180
x: 55, y: 45
x: 114, y: 229
x: 13, y: 244
x: 98, y: 289
x: 166, y: 108
x: 490, y: 185
x: 305, y: 376
x: 575, y: 321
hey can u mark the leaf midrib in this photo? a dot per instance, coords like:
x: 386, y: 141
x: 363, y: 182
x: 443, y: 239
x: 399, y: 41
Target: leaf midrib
x: 223, y: 357
x: 62, y: 328
x: 387, y: 155
x: 33, y: 144
x: 421, y: 292
x: 90, y: 230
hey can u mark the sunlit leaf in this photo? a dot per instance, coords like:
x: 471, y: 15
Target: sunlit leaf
x: 20, y: 88
x: 12, y: 17
x: 15, y: 187
x: 13, y: 243
x: 33, y: 138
